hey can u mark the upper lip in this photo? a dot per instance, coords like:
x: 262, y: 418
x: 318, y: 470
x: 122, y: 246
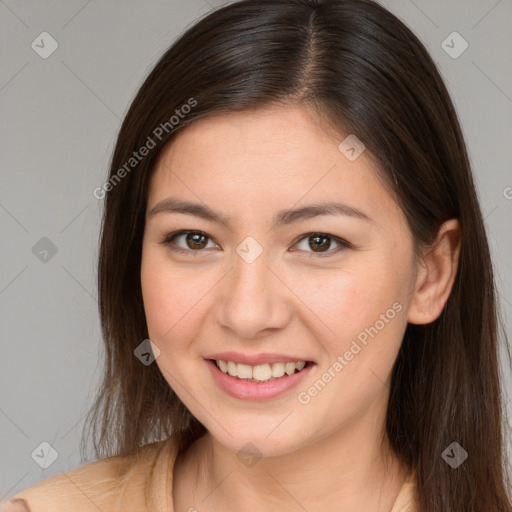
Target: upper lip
x: 253, y: 360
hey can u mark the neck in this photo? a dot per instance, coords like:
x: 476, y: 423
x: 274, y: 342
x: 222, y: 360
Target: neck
x: 351, y: 469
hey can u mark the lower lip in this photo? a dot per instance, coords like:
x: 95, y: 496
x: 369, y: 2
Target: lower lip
x: 257, y: 391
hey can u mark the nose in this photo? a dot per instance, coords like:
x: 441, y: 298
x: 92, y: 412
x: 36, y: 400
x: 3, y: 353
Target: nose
x: 254, y: 300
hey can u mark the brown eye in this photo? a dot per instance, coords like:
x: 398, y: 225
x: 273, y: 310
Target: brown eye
x: 194, y: 242
x: 319, y: 244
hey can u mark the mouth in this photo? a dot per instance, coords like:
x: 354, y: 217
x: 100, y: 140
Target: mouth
x: 258, y: 382
x: 266, y: 372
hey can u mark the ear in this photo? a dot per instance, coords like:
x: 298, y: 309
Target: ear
x: 436, y: 275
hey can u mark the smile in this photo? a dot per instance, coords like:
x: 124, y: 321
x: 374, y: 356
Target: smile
x: 258, y: 382
x: 259, y: 373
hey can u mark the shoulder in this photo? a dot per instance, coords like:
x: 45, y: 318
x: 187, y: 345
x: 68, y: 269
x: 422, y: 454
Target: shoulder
x: 14, y: 505
x: 126, y: 483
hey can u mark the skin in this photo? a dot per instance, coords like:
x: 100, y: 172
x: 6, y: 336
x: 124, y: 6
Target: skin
x: 332, y: 453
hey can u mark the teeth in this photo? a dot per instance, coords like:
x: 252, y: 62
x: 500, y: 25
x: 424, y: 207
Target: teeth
x: 289, y: 368
x: 245, y: 371
x: 260, y: 372
x: 232, y: 369
x: 277, y: 369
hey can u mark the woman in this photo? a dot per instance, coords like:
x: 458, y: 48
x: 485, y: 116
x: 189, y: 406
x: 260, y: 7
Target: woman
x: 296, y: 292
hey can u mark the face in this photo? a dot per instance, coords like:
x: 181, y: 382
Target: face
x: 244, y: 282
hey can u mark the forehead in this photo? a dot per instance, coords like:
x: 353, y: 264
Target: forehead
x: 264, y: 134
x: 269, y: 159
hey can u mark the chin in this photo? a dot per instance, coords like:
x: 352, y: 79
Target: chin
x: 258, y: 442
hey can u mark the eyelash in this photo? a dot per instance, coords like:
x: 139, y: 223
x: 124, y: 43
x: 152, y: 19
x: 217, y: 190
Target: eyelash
x: 169, y: 239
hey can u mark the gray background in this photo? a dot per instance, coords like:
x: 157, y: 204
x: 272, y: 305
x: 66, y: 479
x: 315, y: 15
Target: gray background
x: 60, y: 116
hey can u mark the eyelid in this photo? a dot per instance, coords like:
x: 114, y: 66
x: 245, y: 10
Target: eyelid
x: 169, y: 240
x: 344, y: 244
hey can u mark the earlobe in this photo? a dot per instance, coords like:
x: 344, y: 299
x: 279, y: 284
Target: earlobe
x: 437, y: 275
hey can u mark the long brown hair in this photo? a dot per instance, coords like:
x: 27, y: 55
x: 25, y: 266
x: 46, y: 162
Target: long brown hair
x: 364, y: 72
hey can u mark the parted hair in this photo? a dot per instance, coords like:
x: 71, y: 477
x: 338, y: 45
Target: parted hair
x: 363, y: 72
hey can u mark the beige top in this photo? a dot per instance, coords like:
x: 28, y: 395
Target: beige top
x: 136, y: 483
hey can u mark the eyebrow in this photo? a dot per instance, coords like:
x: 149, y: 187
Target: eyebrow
x: 284, y: 217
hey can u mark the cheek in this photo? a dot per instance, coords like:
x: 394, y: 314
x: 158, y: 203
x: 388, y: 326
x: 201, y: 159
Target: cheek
x: 171, y: 305
x: 359, y: 315
x: 171, y: 298
x: 366, y: 319
x: 344, y: 301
